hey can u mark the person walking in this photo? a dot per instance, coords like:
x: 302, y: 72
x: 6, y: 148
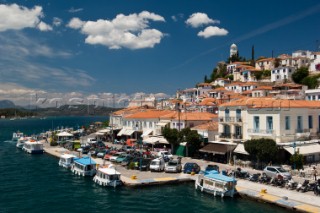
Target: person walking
x: 314, y: 173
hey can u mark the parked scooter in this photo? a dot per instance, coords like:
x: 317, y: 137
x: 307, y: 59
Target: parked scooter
x: 254, y: 177
x: 277, y: 181
x: 317, y: 188
x: 291, y: 184
x: 302, y: 186
x: 264, y: 179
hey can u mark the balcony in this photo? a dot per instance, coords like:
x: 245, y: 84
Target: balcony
x: 262, y: 132
x: 237, y: 136
x: 230, y: 119
x: 225, y: 135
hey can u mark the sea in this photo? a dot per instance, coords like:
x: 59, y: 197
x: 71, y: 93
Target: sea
x: 35, y: 183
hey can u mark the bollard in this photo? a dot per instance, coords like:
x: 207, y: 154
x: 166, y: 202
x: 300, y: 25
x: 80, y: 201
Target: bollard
x: 133, y: 177
x: 263, y: 191
x: 192, y: 173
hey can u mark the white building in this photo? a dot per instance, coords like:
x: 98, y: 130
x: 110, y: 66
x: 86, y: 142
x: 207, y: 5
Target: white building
x: 313, y: 94
x: 220, y: 82
x: 233, y: 50
x: 265, y: 64
x: 282, y: 73
x: 315, y: 62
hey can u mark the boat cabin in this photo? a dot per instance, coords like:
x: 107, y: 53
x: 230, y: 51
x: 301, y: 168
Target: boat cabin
x: 108, y: 176
x: 84, y: 166
x: 33, y: 147
x: 67, y: 160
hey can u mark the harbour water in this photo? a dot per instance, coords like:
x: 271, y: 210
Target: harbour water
x: 35, y: 183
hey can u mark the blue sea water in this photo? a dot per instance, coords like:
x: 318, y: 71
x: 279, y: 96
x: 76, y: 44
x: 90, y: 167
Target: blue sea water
x: 35, y: 183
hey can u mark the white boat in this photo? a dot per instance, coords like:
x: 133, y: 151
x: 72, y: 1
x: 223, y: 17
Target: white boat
x: 21, y: 141
x: 84, y: 166
x: 67, y: 160
x: 16, y: 136
x: 108, y: 176
x: 33, y: 147
x: 217, y: 184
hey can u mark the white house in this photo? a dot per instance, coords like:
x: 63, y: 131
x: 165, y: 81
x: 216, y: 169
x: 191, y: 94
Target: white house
x: 313, y: 94
x: 265, y: 64
x: 221, y: 82
x: 282, y: 73
x: 315, y: 62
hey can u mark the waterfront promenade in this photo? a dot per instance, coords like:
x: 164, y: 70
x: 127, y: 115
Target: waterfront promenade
x: 305, y: 202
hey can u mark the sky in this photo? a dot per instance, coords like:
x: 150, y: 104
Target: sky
x: 80, y: 51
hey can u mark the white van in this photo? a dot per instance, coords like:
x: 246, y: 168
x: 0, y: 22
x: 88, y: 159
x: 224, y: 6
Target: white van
x: 91, y: 140
x: 164, y: 154
x: 157, y: 164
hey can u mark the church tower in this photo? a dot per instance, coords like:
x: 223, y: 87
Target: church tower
x: 233, y: 50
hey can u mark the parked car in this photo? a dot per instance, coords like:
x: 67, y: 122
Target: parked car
x: 191, y: 167
x: 273, y: 171
x: 101, y: 153
x: 114, y: 157
x: 164, y: 154
x: 109, y: 155
x: 121, y: 157
x: 126, y: 160
x: 157, y: 164
x: 127, y: 148
x: 173, y: 165
x: 84, y: 149
x: 144, y: 164
x: 211, y: 167
x: 100, y: 144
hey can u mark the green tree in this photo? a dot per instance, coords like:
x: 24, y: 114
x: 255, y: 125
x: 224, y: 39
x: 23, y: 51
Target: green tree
x: 297, y: 160
x: 277, y: 62
x: 266, y: 73
x: 192, y: 138
x: 300, y: 74
x: 172, y: 136
x: 261, y: 150
x: 206, y: 79
x: 258, y: 75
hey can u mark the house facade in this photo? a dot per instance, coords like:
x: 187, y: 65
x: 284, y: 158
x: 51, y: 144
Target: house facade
x: 281, y: 74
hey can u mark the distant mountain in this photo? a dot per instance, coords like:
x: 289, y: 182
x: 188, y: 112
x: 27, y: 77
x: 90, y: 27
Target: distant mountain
x: 6, y: 104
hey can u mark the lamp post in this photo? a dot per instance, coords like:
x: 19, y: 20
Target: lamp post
x: 294, y: 145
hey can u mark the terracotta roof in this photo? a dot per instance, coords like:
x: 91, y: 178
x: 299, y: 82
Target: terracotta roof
x: 208, y: 102
x: 203, y: 84
x: 265, y: 59
x: 131, y: 110
x: 273, y: 103
x: 190, y: 116
x: 263, y: 88
x: 219, y: 89
x: 148, y: 114
x: 213, y: 125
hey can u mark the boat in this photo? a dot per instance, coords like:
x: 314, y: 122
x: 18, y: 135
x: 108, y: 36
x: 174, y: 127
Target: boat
x: 21, y: 141
x: 107, y: 176
x: 84, y: 166
x: 16, y: 136
x: 33, y: 147
x: 217, y: 184
x: 67, y: 160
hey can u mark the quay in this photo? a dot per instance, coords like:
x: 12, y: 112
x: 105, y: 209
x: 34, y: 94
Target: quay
x: 290, y: 199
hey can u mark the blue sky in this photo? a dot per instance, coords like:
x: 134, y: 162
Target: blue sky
x: 75, y: 48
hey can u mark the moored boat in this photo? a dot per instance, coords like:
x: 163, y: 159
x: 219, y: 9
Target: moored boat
x: 33, y: 147
x: 217, y: 184
x: 107, y: 176
x: 67, y: 160
x: 16, y: 136
x: 84, y: 166
x: 21, y: 141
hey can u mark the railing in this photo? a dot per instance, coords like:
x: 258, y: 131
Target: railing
x: 261, y: 131
x: 230, y: 119
x: 237, y: 136
x: 225, y: 135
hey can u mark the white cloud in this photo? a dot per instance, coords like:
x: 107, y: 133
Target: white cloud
x: 74, y: 10
x: 75, y: 23
x: 44, y: 27
x: 176, y: 18
x: 15, y: 17
x: 213, y: 31
x: 200, y: 19
x: 57, y: 21
x: 124, y: 31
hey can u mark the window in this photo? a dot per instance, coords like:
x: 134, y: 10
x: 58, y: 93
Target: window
x: 318, y: 97
x: 287, y: 118
x: 299, y: 124
x: 227, y: 114
x: 314, y: 97
x: 150, y: 124
x: 269, y: 123
x: 310, y: 121
x: 256, y: 122
x: 238, y: 114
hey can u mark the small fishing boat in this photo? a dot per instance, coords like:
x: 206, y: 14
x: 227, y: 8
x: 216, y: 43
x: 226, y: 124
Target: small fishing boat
x: 66, y: 160
x: 108, y: 176
x: 33, y: 147
x: 217, y: 184
x: 84, y: 166
x: 16, y: 136
x: 21, y: 142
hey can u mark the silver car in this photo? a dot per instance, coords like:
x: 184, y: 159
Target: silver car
x: 273, y: 171
x: 173, y: 165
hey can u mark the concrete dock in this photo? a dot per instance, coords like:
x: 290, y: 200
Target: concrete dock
x: 290, y: 199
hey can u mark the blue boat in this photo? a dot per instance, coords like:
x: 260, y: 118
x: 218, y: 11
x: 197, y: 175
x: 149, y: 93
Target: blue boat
x: 217, y: 184
x: 84, y: 166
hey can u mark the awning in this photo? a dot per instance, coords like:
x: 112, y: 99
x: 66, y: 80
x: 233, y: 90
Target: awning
x: 104, y: 130
x: 304, y: 150
x: 99, y: 133
x: 220, y: 149
x: 162, y: 123
x: 123, y: 130
x: 64, y: 134
x: 128, y: 132
x: 155, y: 140
x: 240, y: 149
x: 147, y: 132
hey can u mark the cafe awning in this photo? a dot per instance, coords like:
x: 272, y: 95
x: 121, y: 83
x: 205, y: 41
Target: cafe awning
x: 305, y: 149
x: 216, y: 148
x: 162, y: 123
x: 155, y: 140
x: 147, y: 132
x: 122, y: 131
x: 240, y: 149
x: 128, y: 132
